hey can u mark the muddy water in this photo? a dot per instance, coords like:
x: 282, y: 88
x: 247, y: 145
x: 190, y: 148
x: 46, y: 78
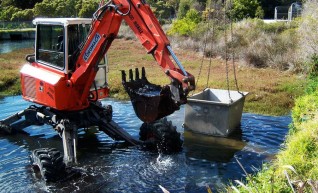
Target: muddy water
x: 108, y: 166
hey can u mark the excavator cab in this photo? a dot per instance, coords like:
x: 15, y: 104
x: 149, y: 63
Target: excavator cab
x: 57, y: 46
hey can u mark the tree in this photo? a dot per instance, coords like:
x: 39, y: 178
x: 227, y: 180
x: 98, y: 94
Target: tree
x: 7, y: 13
x: 184, y: 7
x: 87, y: 8
x: 163, y: 10
x: 246, y: 9
x: 23, y: 15
x: 174, y: 4
x: 55, y: 8
x: 45, y: 8
x: 19, y: 4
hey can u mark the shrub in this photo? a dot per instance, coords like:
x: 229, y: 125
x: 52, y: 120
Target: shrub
x: 308, y: 30
x: 246, y: 9
x: 266, y: 45
x: 187, y: 25
x: 313, y: 66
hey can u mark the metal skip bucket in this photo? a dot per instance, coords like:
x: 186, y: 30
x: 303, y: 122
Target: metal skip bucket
x: 214, y: 112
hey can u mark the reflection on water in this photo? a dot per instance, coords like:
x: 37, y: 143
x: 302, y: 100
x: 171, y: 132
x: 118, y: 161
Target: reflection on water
x: 108, y: 166
x: 211, y: 148
x: 9, y: 46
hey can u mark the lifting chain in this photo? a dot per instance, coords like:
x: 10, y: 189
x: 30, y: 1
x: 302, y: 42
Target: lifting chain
x: 212, y: 38
x: 226, y: 52
x: 205, y: 46
x: 233, y: 53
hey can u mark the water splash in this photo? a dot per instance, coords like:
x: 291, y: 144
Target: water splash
x: 163, y: 163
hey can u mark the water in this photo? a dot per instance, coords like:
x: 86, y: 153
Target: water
x: 7, y: 46
x: 109, y: 166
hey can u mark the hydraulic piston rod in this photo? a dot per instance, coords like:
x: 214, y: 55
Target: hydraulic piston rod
x: 177, y: 61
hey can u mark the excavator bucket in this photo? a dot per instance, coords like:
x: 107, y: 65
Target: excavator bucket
x: 151, y: 102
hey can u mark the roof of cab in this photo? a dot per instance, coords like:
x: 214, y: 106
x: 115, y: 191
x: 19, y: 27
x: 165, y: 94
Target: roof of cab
x: 62, y: 21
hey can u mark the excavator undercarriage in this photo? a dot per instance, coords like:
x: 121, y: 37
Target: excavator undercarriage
x: 67, y: 124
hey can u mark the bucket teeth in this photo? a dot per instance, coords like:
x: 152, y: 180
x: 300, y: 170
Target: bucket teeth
x: 123, y: 76
x: 131, y: 77
x: 143, y: 73
x: 137, y: 74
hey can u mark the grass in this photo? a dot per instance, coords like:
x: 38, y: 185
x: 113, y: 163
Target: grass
x: 10, y: 64
x: 271, y: 91
x: 17, y: 30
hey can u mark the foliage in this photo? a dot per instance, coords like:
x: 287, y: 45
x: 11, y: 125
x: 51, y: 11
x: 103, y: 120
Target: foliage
x: 23, y: 15
x: 313, y: 66
x: 7, y: 12
x: 87, y: 8
x: 187, y: 25
x: 19, y: 4
x: 184, y: 7
x: 56, y: 8
x: 246, y: 9
x: 162, y: 10
x: 305, y: 108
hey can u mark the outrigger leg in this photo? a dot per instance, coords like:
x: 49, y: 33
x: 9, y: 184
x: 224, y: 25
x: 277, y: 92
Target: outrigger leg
x: 67, y: 124
x: 15, y: 122
x: 69, y: 137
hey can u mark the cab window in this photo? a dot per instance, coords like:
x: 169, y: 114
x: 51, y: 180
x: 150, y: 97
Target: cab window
x: 76, y: 37
x: 50, y: 45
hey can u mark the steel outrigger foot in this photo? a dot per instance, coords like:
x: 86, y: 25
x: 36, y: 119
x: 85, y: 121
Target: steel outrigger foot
x: 16, y: 123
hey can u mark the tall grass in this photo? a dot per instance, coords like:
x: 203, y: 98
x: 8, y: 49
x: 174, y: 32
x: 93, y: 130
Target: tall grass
x: 308, y: 30
x: 253, y: 42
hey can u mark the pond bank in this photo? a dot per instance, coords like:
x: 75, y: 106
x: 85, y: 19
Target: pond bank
x: 17, y: 34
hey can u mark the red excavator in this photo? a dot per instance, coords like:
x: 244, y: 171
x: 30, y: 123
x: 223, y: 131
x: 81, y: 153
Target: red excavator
x: 67, y: 76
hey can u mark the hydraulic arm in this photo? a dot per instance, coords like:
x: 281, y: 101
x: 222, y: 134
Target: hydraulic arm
x: 105, y: 26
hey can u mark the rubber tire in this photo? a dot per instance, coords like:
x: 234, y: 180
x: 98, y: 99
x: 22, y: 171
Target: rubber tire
x: 161, y: 136
x: 50, y: 163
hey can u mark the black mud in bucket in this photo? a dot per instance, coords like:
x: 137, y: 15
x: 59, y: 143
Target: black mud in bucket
x: 151, y: 102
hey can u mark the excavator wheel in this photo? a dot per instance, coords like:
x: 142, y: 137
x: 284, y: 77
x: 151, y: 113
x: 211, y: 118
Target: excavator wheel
x: 49, y: 162
x: 161, y: 136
